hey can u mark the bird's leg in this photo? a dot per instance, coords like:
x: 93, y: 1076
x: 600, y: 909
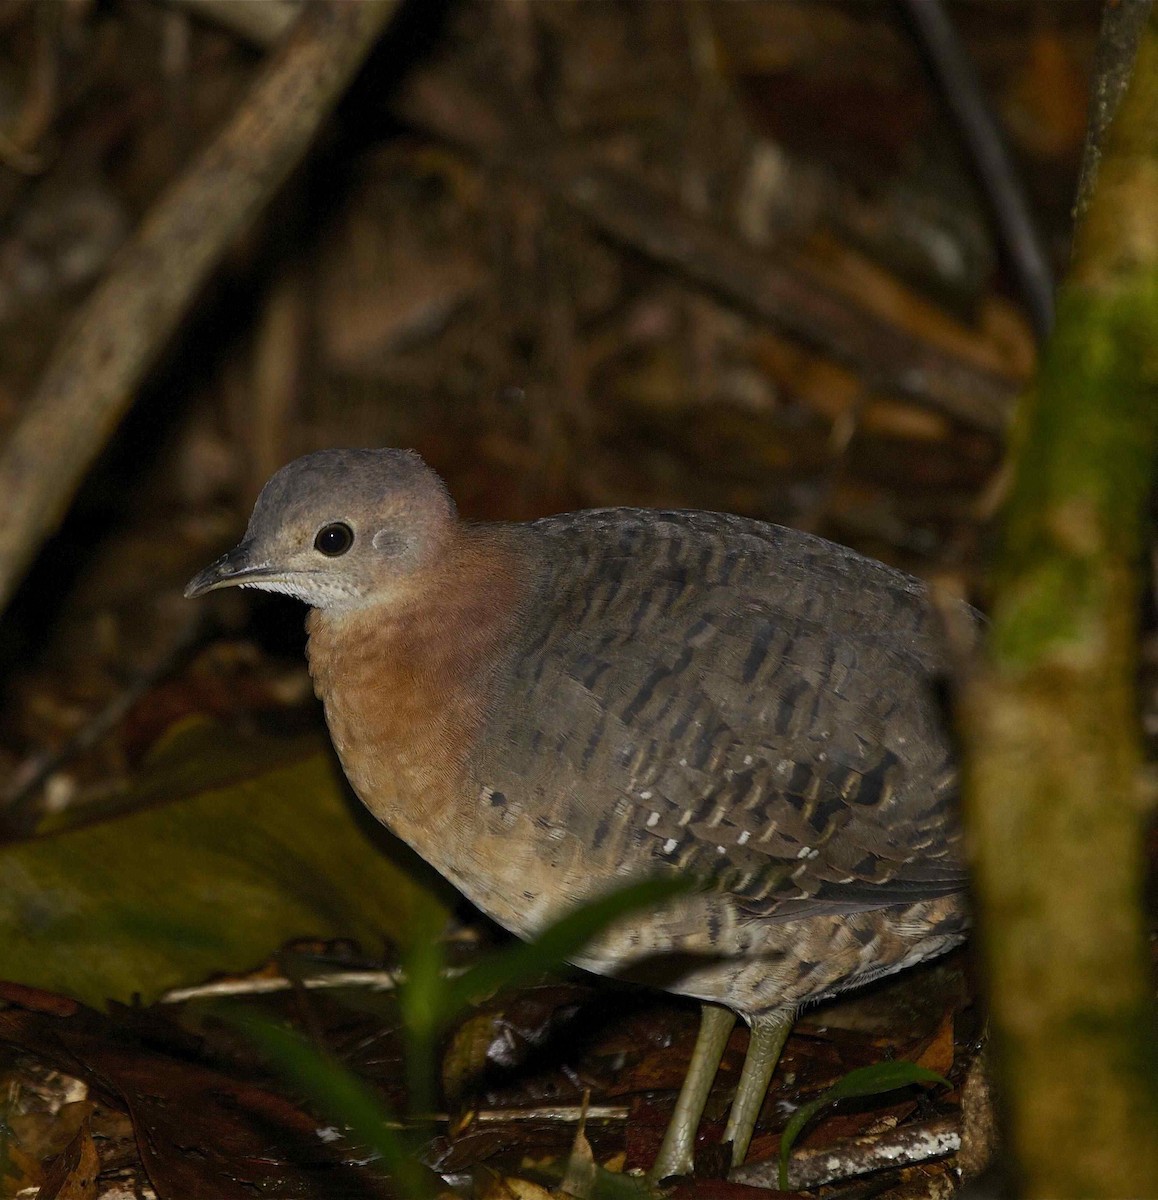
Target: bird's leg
x: 675, y: 1153
x: 769, y: 1033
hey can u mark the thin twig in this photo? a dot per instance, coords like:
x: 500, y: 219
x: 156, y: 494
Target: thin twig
x: 371, y: 980
x: 978, y: 128
x: 561, y: 1114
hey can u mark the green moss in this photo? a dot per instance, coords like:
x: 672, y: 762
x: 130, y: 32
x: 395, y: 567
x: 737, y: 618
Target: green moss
x: 1073, y: 521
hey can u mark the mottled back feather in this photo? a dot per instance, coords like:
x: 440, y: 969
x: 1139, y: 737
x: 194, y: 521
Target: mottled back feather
x: 714, y: 692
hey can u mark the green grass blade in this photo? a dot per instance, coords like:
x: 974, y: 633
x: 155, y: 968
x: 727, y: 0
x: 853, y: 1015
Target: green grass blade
x: 420, y: 1001
x: 340, y: 1095
x: 556, y: 944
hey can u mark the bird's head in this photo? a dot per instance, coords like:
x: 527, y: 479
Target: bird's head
x: 338, y: 529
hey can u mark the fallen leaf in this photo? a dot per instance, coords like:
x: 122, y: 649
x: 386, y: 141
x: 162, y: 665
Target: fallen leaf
x: 200, y: 1132
x: 73, y: 1174
x: 263, y: 846
x: 938, y: 1054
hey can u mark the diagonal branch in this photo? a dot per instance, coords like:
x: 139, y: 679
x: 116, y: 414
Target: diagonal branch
x: 118, y: 333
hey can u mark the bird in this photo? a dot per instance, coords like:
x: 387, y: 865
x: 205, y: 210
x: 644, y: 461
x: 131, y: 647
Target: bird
x: 547, y: 710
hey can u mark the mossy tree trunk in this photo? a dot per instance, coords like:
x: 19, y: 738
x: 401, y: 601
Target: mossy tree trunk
x: 1054, y: 803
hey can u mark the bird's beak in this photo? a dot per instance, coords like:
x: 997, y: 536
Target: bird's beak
x: 230, y: 570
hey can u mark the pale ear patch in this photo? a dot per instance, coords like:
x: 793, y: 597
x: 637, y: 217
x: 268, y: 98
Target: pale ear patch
x: 391, y: 541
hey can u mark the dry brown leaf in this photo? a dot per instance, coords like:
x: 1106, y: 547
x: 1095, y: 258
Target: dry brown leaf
x: 938, y: 1054
x: 73, y: 1175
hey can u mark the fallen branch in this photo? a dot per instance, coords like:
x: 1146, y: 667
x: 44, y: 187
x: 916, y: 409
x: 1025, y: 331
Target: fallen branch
x: 856, y: 1156
x: 118, y: 333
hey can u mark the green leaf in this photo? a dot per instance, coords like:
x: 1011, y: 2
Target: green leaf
x: 601, y: 1184
x: 268, y: 849
x: 866, y: 1081
x: 420, y: 1000
x: 338, y: 1094
x: 429, y: 1000
x: 557, y: 944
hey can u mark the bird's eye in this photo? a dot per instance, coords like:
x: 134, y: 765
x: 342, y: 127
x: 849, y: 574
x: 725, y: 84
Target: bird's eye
x: 335, y: 539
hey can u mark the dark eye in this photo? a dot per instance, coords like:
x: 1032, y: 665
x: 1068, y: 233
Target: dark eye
x: 334, y: 539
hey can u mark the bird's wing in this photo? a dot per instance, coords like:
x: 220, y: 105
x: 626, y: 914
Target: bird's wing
x: 734, y: 699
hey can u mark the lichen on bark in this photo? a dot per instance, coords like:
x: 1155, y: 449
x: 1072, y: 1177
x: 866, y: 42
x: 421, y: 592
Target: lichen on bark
x: 1054, y: 805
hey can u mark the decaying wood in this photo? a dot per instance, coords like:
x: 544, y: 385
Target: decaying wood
x: 857, y: 1156
x: 1054, y: 798
x: 117, y: 334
